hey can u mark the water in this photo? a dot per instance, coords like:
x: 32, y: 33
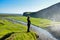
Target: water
x: 43, y: 34
x: 54, y: 29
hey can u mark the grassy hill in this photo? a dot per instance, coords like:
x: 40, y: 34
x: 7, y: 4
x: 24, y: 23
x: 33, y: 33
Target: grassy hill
x: 14, y: 31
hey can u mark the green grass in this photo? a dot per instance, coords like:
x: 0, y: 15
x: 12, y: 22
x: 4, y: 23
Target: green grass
x: 22, y: 36
x: 19, y: 29
x: 43, y: 23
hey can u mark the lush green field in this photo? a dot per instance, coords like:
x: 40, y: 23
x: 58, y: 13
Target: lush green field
x: 43, y: 23
x: 18, y: 29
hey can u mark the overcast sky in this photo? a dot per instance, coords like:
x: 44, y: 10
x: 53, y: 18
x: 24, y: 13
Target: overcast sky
x: 20, y: 6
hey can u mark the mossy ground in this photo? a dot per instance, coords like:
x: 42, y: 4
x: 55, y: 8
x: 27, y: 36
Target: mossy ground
x: 20, y: 31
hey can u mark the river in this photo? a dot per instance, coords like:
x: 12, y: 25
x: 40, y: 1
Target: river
x: 43, y: 34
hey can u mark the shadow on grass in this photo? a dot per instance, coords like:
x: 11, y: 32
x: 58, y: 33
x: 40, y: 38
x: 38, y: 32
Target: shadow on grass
x: 6, y: 36
x: 2, y: 23
x: 9, y: 34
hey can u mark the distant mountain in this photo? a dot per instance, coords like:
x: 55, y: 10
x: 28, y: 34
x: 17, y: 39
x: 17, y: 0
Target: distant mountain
x: 52, y: 12
x: 6, y: 14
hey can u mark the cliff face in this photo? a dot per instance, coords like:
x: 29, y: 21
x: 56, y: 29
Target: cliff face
x: 52, y: 12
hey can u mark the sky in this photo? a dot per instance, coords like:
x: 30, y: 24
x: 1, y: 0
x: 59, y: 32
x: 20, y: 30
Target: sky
x: 20, y: 6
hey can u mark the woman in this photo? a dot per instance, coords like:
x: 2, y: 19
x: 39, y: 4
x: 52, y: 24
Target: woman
x: 28, y: 23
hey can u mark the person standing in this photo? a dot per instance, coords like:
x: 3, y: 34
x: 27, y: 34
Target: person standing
x: 28, y: 24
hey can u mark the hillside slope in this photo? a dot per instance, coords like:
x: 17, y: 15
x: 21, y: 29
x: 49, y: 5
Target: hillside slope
x: 52, y: 12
